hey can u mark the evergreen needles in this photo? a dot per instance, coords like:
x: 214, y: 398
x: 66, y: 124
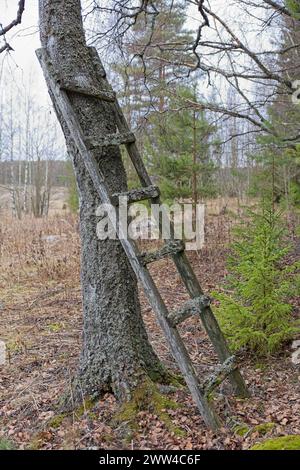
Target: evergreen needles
x: 256, y: 314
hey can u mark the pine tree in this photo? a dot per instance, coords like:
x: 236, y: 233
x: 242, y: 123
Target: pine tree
x: 154, y: 50
x: 278, y: 159
x: 276, y: 174
x: 294, y: 7
x: 255, y: 313
x: 179, y: 149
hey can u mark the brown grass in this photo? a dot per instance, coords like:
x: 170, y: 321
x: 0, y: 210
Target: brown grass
x: 40, y: 321
x: 43, y: 249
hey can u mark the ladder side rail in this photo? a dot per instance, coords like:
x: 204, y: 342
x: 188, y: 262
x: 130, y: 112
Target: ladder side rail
x: 176, y: 344
x: 132, y: 148
x: 189, y: 278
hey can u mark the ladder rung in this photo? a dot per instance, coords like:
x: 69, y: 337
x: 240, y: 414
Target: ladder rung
x: 111, y: 139
x: 170, y: 248
x: 136, y: 195
x: 87, y: 90
x: 220, y: 374
x: 191, y: 307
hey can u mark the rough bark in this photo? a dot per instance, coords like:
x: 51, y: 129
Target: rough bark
x: 116, y: 354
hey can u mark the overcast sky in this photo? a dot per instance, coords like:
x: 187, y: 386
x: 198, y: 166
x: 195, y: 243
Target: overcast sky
x: 20, y: 68
x: 22, y: 63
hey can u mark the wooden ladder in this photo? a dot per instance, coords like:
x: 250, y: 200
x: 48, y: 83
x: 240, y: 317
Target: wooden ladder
x: 199, y: 303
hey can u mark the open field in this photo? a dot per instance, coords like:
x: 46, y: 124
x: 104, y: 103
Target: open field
x: 40, y: 321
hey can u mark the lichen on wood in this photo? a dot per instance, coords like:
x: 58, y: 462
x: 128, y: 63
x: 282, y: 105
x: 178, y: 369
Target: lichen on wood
x: 110, y: 139
x: 221, y: 372
x: 135, y: 195
x: 170, y: 248
x: 191, y: 307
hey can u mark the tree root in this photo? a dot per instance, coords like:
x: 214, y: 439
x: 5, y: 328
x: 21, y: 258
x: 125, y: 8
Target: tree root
x: 146, y: 397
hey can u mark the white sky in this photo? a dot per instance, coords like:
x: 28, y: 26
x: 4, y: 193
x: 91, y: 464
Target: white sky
x: 20, y: 68
x: 22, y: 64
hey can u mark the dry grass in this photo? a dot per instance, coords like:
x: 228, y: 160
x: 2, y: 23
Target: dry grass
x: 58, y: 200
x: 38, y: 248
x: 40, y: 321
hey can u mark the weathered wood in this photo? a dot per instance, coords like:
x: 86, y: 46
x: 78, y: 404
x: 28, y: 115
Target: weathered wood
x: 191, y: 307
x: 184, y: 268
x: 171, y: 247
x: 110, y: 139
x: 88, y: 90
x: 220, y: 374
x: 123, y: 127
x: 132, y: 148
x: 176, y: 344
x: 136, y: 195
x: 209, y: 322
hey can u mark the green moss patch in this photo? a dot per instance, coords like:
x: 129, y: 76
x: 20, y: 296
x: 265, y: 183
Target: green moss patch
x: 85, y: 407
x: 241, y: 429
x: 56, y: 421
x: 147, y: 397
x: 264, y: 428
x: 5, y: 444
x: 167, y: 378
x: 291, y: 442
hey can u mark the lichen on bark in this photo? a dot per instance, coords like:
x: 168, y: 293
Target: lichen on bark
x: 116, y: 353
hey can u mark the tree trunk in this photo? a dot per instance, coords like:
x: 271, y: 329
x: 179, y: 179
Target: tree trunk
x: 116, y: 354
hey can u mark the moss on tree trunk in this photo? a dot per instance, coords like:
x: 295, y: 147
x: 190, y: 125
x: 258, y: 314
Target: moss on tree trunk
x: 116, y: 354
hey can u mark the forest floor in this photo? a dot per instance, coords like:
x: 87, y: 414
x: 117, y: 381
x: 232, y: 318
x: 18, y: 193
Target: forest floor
x: 40, y: 321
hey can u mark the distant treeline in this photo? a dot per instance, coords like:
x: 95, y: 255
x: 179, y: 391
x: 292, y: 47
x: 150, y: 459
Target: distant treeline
x: 59, y: 171
x: 226, y: 181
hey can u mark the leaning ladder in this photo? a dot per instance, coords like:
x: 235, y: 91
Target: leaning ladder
x: 199, y: 303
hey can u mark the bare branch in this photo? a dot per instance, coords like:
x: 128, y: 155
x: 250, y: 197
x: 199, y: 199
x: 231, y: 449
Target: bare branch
x: 21, y: 8
x: 12, y: 24
x: 278, y: 7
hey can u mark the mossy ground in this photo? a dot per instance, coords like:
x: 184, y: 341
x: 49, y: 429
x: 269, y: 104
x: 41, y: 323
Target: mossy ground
x: 5, y: 444
x: 241, y: 429
x: 264, y: 428
x: 147, y: 397
x: 87, y: 405
x: 56, y: 421
x: 291, y: 442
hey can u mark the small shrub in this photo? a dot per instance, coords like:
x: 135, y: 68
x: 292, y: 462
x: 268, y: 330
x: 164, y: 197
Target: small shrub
x: 256, y: 314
